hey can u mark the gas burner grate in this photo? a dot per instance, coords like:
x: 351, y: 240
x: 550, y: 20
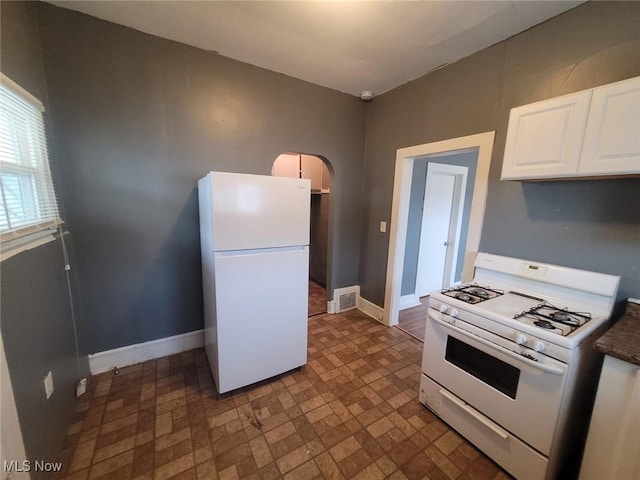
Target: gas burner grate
x: 472, y: 293
x: 546, y: 324
x: 550, y: 317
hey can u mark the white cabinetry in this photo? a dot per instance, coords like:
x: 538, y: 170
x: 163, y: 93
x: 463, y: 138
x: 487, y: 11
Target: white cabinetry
x: 544, y: 139
x: 595, y: 132
x: 612, y: 137
x: 612, y: 445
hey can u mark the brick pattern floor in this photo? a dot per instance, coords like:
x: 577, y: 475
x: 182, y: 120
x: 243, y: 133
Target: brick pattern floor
x: 352, y: 412
x: 414, y: 320
x: 317, y: 299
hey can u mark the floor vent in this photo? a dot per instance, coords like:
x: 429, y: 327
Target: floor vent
x: 346, y: 298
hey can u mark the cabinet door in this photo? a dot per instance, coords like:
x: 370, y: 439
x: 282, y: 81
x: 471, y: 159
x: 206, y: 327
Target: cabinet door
x: 612, y: 444
x: 286, y: 165
x: 612, y: 137
x: 312, y: 169
x: 544, y: 139
x: 326, y: 178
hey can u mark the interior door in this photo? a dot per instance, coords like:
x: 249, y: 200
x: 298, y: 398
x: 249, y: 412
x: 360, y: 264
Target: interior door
x: 441, y: 222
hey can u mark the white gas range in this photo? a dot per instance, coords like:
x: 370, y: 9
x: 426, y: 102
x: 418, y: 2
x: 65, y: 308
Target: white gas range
x: 508, y: 361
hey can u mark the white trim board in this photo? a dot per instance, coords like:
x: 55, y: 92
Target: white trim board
x: 409, y: 301
x: 400, y: 209
x: 11, y: 444
x: 370, y: 309
x: 28, y: 243
x: 140, y: 352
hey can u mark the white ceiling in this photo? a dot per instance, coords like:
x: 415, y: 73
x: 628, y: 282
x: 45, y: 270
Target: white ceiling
x: 347, y: 46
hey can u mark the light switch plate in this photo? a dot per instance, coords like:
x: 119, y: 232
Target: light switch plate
x: 48, y: 385
x: 383, y: 227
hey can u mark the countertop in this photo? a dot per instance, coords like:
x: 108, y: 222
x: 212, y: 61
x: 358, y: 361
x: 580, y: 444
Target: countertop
x: 622, y: 341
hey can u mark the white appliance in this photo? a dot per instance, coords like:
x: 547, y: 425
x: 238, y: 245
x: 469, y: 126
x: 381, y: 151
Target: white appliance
x: 508, y: 360
x: 254, y: 235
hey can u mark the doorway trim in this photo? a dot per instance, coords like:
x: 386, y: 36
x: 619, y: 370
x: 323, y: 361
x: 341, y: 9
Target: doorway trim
x: 400, y: 209
x: 455, y: 221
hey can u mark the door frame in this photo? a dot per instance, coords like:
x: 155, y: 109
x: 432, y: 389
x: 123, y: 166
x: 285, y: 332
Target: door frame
x: 455, y: 221
x: 11, y: 442
x: 400, y: 209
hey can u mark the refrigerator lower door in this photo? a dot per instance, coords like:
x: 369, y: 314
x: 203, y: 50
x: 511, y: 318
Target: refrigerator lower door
x: 261, y: 314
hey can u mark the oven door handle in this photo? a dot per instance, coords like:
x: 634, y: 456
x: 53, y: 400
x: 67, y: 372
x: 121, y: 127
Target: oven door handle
x: 475, y: 414
x: 494, y: 346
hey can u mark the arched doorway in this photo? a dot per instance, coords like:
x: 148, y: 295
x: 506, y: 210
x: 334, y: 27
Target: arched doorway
x: 319, y: 171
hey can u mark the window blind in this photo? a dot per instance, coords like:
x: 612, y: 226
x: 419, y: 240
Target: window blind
x: 27, y: 196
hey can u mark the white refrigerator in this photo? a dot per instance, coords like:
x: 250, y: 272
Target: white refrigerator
x: 254, y: 235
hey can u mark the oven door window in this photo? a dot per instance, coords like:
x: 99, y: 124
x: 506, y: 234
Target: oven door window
x: 496, y: 373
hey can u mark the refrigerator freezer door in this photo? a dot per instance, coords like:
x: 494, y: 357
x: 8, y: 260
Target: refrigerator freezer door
x: 256, y: 211
x: 261, y: 315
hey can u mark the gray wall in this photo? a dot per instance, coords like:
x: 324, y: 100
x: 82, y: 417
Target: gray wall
x: 414, y: 220
x: 591, y: 224
x: 36, y: 326
x: 138, y: 120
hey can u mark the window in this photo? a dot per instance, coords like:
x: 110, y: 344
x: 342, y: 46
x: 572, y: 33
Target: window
x: 487, y: 368
x: 28, y: 206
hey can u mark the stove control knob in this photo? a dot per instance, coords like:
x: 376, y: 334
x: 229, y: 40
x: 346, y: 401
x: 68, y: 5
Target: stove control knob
x: 443, y: 308
x: 454, y: 312
x: 539, y: 346
x: 521, y: 339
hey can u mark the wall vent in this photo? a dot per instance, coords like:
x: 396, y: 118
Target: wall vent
x: 346, y: 298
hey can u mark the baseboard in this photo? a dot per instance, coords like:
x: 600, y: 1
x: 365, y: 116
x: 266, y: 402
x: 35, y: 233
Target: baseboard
x: 141, y: 352
x: 371, y: 309
x: 408, y: 301
x: 331, y: 306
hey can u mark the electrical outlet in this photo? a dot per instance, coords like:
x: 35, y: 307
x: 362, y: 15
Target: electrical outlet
x: 383, y: 227
x: 81, y: 387
x: 48, y: 385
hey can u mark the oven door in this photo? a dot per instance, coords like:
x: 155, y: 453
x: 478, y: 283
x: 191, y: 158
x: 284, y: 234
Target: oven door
x: 521, y: 394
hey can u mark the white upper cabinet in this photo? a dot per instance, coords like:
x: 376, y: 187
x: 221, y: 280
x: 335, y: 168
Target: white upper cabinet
x: 612, y: 138
x: 544, y: 139
x: 595, y: 132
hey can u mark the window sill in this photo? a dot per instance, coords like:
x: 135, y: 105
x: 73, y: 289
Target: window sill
x: 15, y: 246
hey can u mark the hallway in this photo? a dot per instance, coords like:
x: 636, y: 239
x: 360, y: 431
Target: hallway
x: 413, y: 320
x: 317, y: 299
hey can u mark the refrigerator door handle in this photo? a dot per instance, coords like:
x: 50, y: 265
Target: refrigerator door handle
x: 260, y: 251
